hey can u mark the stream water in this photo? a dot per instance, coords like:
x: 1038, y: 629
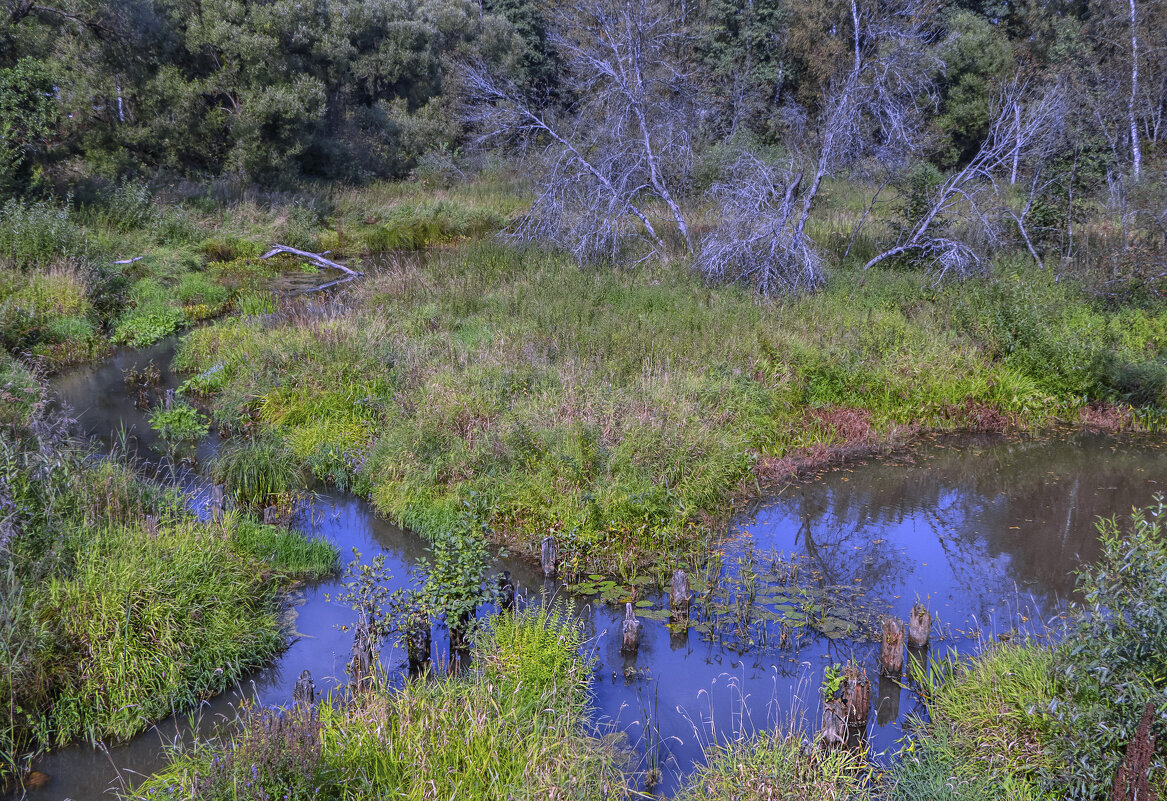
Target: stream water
x: 987, y: 530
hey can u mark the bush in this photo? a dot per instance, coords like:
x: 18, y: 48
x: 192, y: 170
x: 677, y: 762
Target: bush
x: 37, y: 234
x: 1114, y: 660
x: 179, y: 424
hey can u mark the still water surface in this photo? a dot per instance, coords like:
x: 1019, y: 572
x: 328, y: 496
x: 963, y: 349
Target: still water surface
x: 987, y: 531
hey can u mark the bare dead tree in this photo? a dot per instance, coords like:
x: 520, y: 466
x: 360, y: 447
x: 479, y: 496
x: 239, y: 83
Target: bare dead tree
x: 611, y: 167
x: 1025, y: 124
x: 758, y: 241
x: 872, y: 111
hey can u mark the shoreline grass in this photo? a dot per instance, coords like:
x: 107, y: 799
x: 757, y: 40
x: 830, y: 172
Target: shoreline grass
x: 513, y: 727
x: 106, y: 623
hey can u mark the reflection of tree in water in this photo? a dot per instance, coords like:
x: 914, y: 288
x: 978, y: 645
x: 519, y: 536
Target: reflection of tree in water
x: 1004, y: 514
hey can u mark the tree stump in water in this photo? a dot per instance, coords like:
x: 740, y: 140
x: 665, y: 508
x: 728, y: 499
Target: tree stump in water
x: 417, y: 641
x: 919, y: 626
x: 304, y: 693
x: 169, y: 398
x: 506, y: 592
x: 891, y: 653
x: 363, y: 655
x: 834, y: 732
x: 549, y: 556
x: 1133, y: 780
x: 856, y: 695
x: 630, y: 631
x: 271, y: 516
x: 218, y: 501
x: 679, y: 597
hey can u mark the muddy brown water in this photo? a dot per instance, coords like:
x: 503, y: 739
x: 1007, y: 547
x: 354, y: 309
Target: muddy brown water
x: 987, y: 530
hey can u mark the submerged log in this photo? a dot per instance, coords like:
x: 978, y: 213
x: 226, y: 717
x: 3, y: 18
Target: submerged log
x: 304, y: 693
x: 506, y: 592
x: 891, y: 653
x: 630, y: 631
x: 919, y: 626
x: 856, y: 695
x: 549, y: 556
x: 679, y: 597
x: 316, y: 257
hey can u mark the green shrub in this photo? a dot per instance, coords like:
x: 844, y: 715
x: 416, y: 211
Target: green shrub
x: 1114, y: 659
x: 34, y: 235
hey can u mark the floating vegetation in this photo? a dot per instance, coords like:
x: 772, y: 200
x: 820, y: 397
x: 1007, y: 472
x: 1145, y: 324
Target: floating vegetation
x: 750, y: 603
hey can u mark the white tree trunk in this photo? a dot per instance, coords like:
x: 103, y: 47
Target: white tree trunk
x: 1136, y: 154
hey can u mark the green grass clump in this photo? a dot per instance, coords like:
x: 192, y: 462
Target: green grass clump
x: 778, y: 767
x: 990, y: 735
x: 258, y: 472
x: 513, y: 728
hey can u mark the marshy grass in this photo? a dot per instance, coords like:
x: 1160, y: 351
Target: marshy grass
x: 624, y: 411
x: 989, y: 734
x: 513, y: 727
x: 777, y: 766
x: 108, y: 623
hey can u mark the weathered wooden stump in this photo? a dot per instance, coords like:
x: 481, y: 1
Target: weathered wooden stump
x: 218, y: 501
x: 417, y: 641
x: 168, y: 398
x: 1133, y: 780
x: 271, y: 516
x: 891, y: 653
x: 856, y: 695
x: 630, y: 631
x: 679, y: 597
x: 506, y: 592
x: 834, y: 732
x: 888, y: 708
x: 549, y: 556
x: 459, y: 632
x: 304, y: 693
x: 151, y: 526
x: 919, y: 626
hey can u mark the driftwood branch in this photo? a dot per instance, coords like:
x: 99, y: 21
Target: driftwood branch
x: 316, y: 257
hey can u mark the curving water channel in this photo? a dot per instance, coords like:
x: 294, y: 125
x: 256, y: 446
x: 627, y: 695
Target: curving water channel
x: 986, y: 530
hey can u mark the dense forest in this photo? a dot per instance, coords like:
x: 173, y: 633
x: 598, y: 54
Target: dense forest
x: 616, y: 268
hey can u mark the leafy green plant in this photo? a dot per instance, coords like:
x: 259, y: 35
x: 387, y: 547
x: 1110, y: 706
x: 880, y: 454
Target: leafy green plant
x: 1114, y: 659
x: 181, y: 424
x: 455, y: 572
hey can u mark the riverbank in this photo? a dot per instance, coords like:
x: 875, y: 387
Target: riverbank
x: 119, y: 605
x: 514, y: 726
x: 623, y: 412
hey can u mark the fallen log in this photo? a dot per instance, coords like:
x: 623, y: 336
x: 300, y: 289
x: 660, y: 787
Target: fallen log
x: 316, y: 257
